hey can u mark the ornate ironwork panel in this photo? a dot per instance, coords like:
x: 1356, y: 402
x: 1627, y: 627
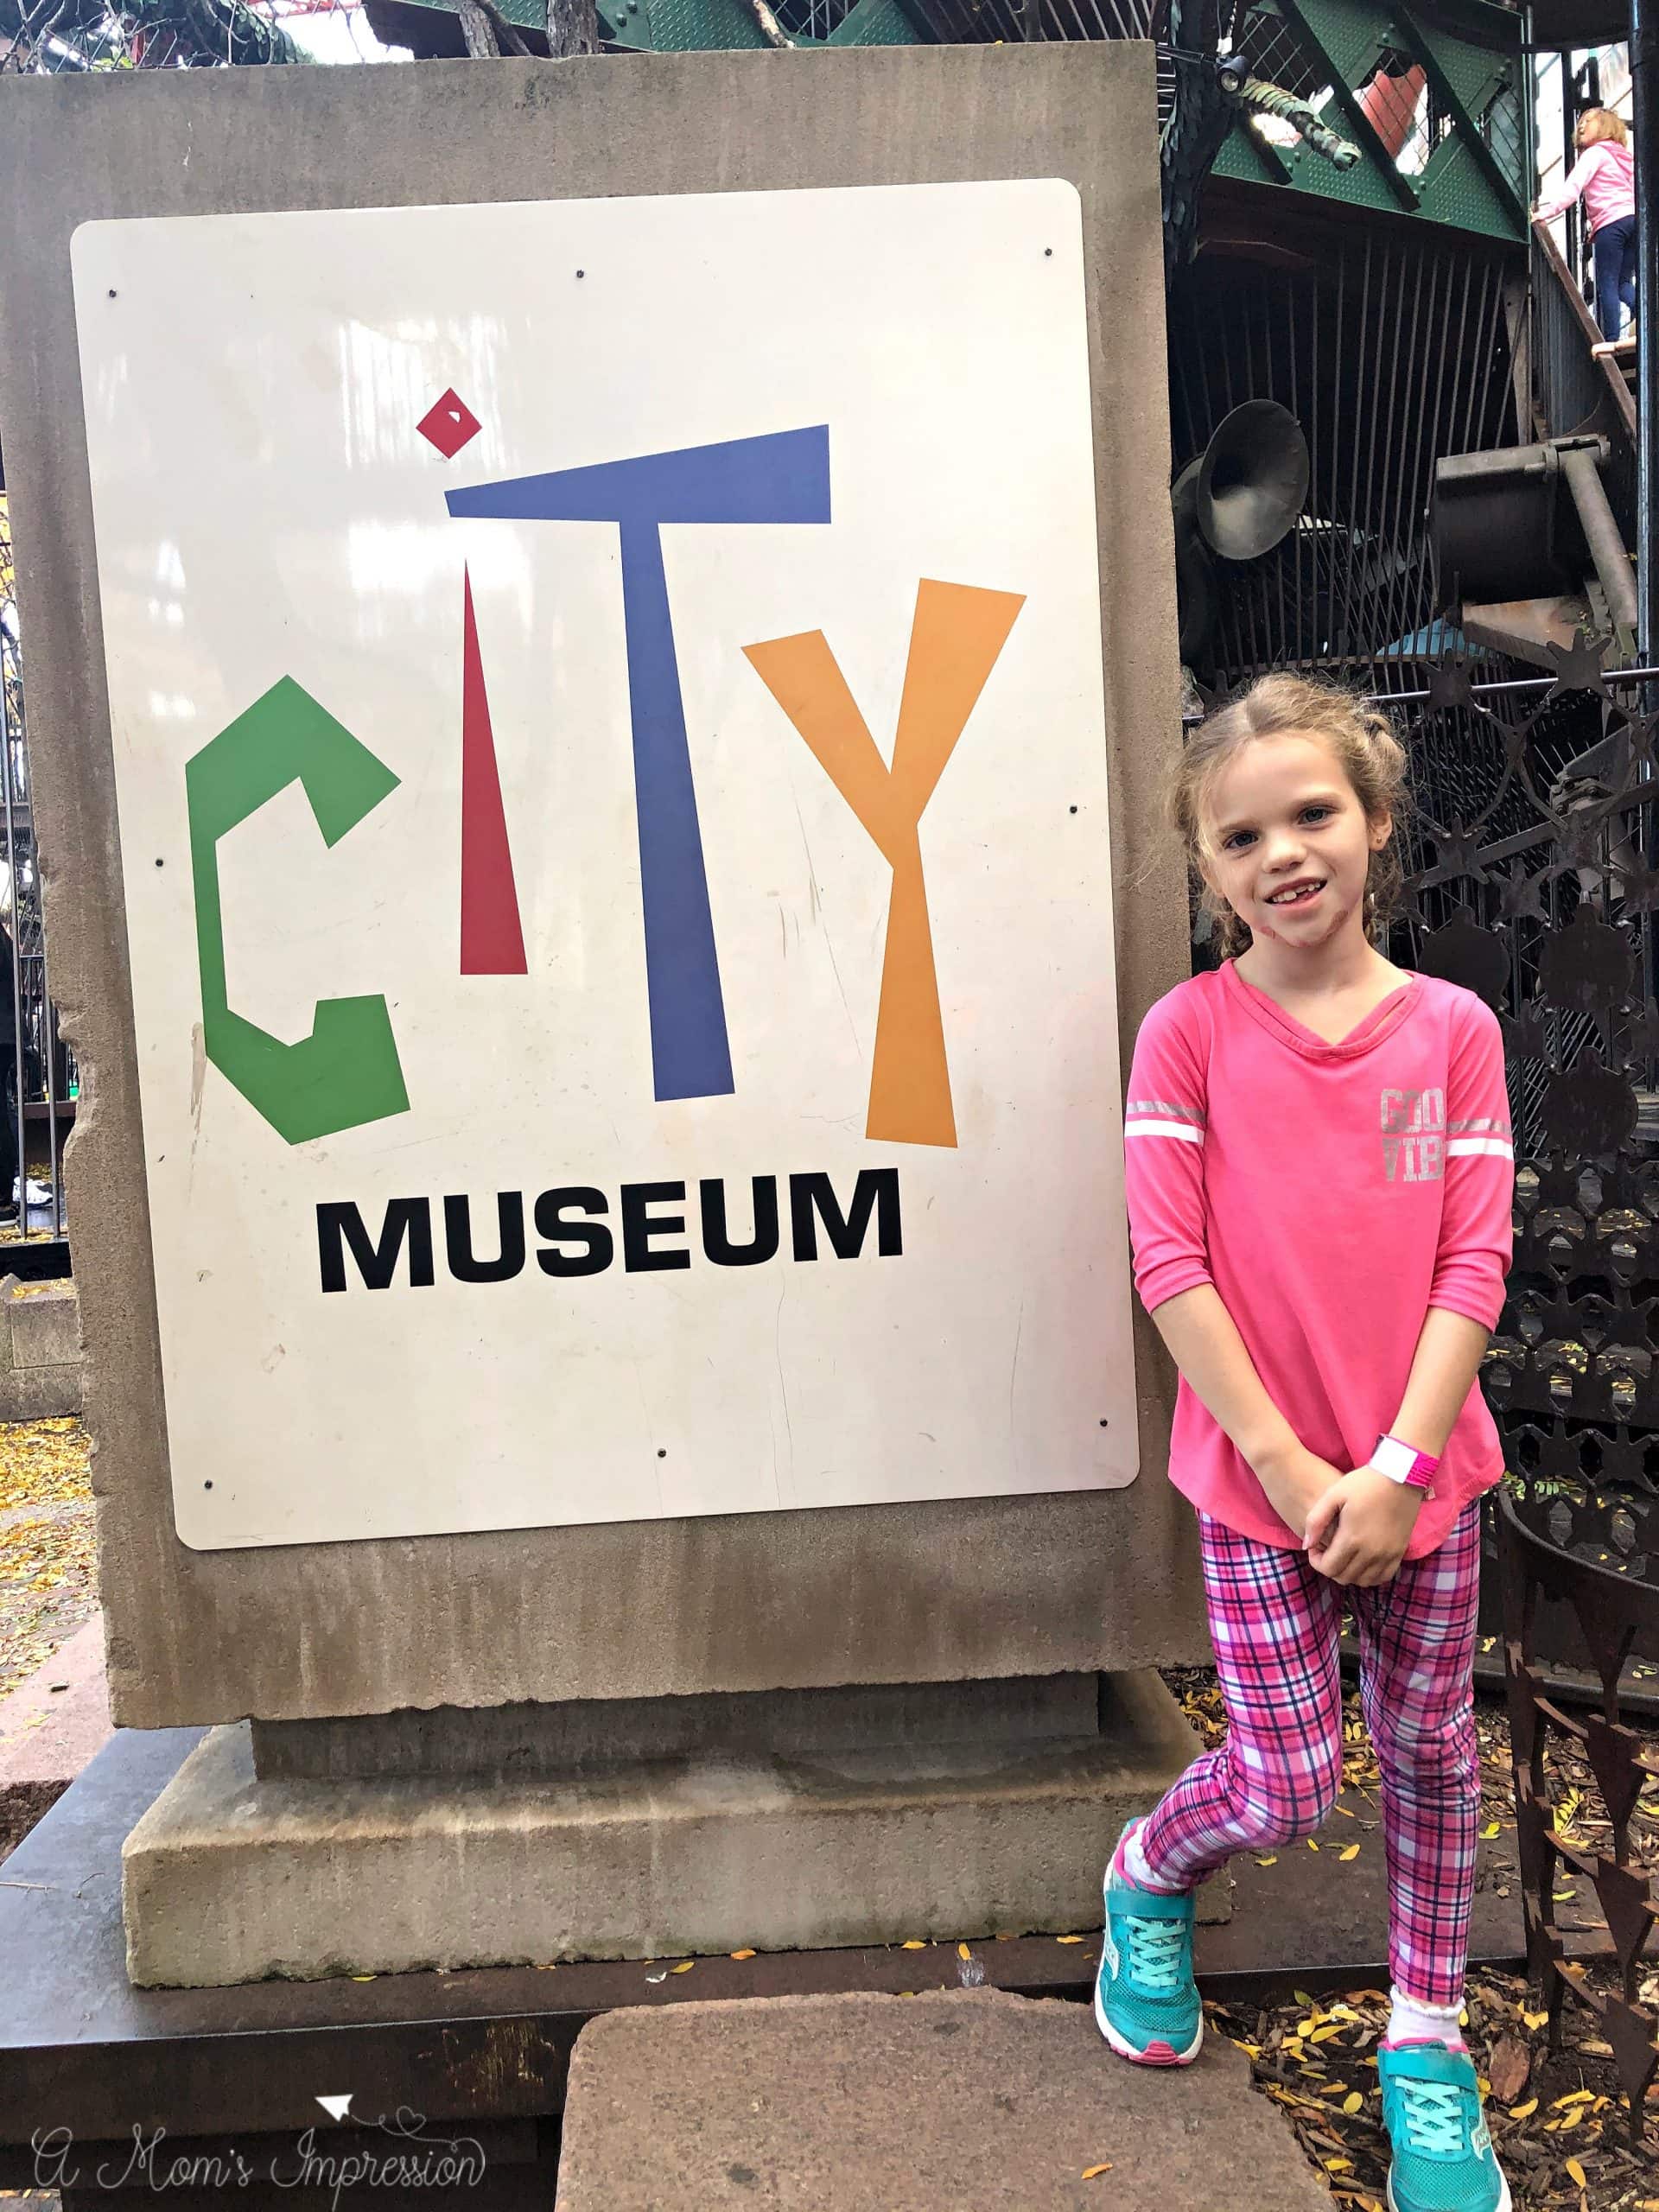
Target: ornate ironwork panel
x: 1591, y: 1555
x: 1531, y: 884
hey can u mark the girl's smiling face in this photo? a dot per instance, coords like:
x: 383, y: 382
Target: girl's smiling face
x: 1287, y: 844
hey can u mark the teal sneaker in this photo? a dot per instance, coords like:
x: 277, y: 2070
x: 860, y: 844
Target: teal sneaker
x: 1146, y: 2000
x: 1443, y: 2160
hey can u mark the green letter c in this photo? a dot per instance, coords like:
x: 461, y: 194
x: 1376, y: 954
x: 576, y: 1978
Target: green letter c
x: 346, y: 1071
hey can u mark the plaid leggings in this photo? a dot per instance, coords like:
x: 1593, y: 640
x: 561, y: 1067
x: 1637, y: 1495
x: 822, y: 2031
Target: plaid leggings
x: 1275, y: 1624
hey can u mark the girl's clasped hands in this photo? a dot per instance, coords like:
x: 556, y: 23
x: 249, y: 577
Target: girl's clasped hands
x: 1356, y: 1526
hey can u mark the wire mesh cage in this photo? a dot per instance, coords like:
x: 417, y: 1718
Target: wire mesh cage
x: 1388, y: 352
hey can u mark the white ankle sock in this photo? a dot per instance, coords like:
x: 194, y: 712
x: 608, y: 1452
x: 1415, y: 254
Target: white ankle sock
x: 1410, y: 2022
x: 1135, y: 1864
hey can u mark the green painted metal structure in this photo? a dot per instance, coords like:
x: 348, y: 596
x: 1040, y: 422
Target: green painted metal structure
x: 684, y: 26
x: 1465, y: 158
x: 1466, y: 162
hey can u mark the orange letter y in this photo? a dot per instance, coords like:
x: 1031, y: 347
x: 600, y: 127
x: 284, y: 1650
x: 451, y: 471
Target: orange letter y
x: 955, y: 639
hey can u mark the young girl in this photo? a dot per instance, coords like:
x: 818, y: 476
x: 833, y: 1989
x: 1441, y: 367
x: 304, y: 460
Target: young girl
x: 1606, y: 174
x: 1319, y: 1180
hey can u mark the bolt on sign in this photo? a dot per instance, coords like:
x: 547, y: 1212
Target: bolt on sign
x: 611, y: 769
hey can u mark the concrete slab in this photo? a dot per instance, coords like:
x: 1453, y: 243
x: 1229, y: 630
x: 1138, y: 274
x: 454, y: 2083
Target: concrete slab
x: 45, y: 1321
x: 39, y: 1350
x: 52, y: 1724
x: 51, y: 1727
x: 229, y: 1878
x: 861, y: 2104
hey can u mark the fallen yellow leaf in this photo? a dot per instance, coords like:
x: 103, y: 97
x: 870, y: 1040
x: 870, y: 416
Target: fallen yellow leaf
x: 1525, y: 2111
x: 1354, y: 2102
x: 1312, y: 1844
x: 913, y: 1943
x: 742, y: 1954
x: 1090, y: 2173
x: 1353, y: 1852
x: 684, y: 1966
x: 1339, y: 2165
x: 1271, y: 1860
x: 1489, y: 1831
x: 1068, y: 1939
x: 1534, y: 2020
x: 362, y: 1976
x: 1578, y: 2097
x: 962, y: 1951
x: 1577, y: 2172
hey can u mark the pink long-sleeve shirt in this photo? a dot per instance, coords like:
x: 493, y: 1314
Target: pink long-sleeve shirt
x: 1606, y: 174
x: 1331, y: 1194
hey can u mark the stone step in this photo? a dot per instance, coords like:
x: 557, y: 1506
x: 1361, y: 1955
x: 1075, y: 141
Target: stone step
x: 944, y: 2102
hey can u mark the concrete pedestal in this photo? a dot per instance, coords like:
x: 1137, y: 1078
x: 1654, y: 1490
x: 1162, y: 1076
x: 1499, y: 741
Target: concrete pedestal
x: 807, y: 1842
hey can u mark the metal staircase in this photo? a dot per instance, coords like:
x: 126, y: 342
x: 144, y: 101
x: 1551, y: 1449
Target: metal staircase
x: 1537, y: 542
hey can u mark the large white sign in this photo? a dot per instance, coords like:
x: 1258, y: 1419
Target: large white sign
x: 609, y: 737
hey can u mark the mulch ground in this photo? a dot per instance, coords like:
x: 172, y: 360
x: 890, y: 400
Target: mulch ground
x: 48, y: 1582
x: 1559, y: 2122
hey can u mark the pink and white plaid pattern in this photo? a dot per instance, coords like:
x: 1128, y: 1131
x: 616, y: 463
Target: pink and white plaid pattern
x: 1276, y: 1622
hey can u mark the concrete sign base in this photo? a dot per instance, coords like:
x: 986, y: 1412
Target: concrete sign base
x: 230, y: 1878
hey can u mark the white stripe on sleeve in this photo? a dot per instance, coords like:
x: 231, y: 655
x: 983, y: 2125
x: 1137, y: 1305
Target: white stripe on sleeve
x: 1461, y: 1147
x: 1183, y: 1130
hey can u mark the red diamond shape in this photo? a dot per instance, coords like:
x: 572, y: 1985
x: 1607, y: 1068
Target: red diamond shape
x: 448, y: 425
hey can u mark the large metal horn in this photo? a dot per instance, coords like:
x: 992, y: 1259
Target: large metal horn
x: 1253, y: 480
x: 1238, y: 499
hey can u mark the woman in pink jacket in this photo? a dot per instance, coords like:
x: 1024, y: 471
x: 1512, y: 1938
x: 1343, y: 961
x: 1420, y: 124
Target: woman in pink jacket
x: 1605, y: 176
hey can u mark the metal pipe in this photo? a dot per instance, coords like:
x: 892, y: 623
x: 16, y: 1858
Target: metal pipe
x: 1604, y: 538
x: 1644, y: 675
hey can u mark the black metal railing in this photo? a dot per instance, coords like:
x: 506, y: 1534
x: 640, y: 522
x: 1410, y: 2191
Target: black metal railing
x: 1575, y: 391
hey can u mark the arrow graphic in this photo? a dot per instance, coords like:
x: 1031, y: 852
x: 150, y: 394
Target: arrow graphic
x: 337, y: 2107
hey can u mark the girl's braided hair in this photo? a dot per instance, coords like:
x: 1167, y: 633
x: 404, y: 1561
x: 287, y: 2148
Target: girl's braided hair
x: 1362, y: 741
